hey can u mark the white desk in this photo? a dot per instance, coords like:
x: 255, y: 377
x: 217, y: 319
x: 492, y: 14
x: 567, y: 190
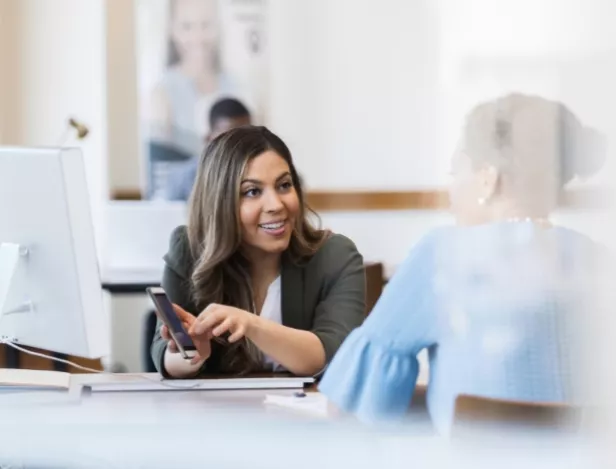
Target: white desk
x: 170, y: 429
x: 136, y: 240
x: 120, y: 280
x: 233, y: 429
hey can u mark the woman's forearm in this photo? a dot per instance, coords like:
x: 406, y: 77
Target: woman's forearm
x: 300, y: 352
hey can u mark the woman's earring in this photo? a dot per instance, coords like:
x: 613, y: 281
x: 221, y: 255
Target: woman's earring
x: 481, y: 200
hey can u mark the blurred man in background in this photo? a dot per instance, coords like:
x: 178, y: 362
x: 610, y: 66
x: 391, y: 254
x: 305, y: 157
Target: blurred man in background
x: 225, y: 114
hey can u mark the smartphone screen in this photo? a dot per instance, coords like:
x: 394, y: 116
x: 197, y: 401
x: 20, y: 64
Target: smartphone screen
x: 166, y: 313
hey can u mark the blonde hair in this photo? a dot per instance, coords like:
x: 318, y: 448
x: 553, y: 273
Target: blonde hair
x: 221, y: 273
x: 537, y: 145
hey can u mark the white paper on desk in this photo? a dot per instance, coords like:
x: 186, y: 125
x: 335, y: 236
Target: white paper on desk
x: 313, y: 403
x: 36, y: 387
x: 35, y: 378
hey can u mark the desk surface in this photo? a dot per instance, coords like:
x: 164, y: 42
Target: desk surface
x: 223, y: 428
x: 125, y: 280
x: 173, y: 428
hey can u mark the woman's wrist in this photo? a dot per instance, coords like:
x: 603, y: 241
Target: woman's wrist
x: 253, y: 325
x: 178, y: 367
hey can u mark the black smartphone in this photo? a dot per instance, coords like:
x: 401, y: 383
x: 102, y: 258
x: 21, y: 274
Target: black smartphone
x: 164, y: 310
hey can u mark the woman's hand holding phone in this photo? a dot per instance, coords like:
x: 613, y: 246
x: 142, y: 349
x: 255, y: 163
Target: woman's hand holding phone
x: 202, y: 342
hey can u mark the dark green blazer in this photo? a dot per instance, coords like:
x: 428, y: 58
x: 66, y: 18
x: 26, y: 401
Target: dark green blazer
x: 325, y: 295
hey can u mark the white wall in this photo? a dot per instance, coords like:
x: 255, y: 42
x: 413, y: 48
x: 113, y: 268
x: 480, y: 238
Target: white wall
x: 559, y: 49
x: 355, y: 82
x: 9, y: 64
x: 57, y: 72
x: 361, y: 85
x: 350, y: 82
x: 354, y: 86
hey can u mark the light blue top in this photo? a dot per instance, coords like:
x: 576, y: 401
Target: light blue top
x: 500, y: 309
x: 182, y: 180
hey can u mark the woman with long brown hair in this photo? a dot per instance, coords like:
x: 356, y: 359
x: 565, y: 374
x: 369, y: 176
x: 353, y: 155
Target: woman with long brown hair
x: 258, y: 287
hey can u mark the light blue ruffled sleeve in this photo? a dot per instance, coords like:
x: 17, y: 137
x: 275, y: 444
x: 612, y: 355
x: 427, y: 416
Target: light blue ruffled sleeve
x: 374, y: 373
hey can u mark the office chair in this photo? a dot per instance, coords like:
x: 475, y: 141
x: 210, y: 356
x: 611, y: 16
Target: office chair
x: 484, y: 415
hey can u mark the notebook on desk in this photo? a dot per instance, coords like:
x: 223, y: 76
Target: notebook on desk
x: 12, y: 379
x: 153, y: 382
x: 122, y: 382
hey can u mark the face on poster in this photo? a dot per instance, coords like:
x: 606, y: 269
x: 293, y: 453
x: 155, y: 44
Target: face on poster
x: 191, y: 54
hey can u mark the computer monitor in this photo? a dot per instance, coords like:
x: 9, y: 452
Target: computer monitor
x: 50, y: 290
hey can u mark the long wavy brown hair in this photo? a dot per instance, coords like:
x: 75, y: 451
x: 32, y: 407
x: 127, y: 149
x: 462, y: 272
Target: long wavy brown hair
x: 221, y: 273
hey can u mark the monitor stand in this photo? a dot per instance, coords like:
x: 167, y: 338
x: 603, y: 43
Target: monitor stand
x: 13, y: 266
x: 13, y: 297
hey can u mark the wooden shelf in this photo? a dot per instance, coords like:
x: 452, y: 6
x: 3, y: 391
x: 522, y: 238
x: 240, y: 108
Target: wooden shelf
x: 437, y: 199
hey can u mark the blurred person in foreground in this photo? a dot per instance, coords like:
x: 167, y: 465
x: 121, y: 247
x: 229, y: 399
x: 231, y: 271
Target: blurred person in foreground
x: 225, y: 114
x: 500, y: 301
